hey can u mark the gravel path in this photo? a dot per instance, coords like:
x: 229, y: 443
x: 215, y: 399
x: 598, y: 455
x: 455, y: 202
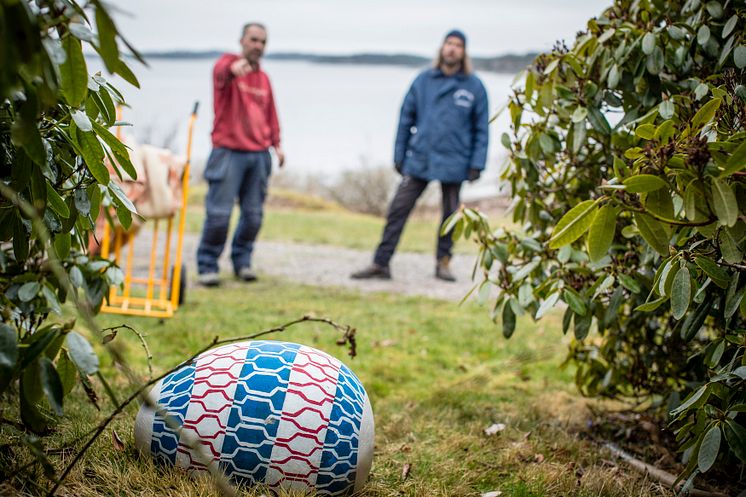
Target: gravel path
x: 324, y: 265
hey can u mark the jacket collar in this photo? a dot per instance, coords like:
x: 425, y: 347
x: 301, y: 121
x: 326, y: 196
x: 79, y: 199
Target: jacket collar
x: 436, y: 72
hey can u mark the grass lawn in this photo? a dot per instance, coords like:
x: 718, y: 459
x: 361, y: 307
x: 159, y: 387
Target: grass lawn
x: 293, y: 217
x: 437, y: 375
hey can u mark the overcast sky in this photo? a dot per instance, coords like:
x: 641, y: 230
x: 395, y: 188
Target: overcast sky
x: 493, y: 27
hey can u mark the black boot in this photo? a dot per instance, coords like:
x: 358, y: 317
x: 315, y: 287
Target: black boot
x: 442, y: 271
x: 372, y: 271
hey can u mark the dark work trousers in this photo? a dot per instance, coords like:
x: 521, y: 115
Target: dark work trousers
x: 233, y: 175
x: 406, y: 196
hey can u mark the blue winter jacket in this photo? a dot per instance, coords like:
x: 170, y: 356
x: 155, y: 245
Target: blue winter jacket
x: 443, y: 127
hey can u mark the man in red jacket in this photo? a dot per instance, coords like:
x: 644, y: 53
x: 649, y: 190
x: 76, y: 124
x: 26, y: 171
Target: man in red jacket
x: 244, y: 130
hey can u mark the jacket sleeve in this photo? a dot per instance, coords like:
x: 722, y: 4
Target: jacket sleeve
x: 272, y: 119
x: 480, y: 125
x: 407, y: 119
x: 221, y: 73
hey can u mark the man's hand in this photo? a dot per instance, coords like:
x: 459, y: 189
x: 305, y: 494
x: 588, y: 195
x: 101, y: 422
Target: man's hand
x: 280, y: 156
x: 399, y: 167
x: 474, y: 174
x: 241, y: 67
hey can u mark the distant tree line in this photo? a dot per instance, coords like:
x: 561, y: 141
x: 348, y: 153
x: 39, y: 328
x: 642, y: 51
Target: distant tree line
x: 510, y: 63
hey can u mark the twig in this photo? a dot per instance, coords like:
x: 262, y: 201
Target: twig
x: 348, y: 338
x: 655, y: 473
x: 142, y: 341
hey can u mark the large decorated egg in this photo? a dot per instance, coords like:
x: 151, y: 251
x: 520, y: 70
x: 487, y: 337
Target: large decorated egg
x: 277, y: 413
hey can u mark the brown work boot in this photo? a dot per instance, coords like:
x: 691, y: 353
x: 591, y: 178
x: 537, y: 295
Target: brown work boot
x: 442, y: 271
x: 372, y: 271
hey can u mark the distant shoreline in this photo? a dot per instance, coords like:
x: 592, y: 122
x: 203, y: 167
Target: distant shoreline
x: 510, y: 63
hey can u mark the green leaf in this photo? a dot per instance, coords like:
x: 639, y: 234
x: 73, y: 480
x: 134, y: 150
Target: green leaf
x: 655, y: 61
x: 82, y: 353
x: 739, y: 56
x: 735, y: 434
x: 56, y: 202
x: 126, y: 73
x: 547, y: 304
x: 736, y: 162
x: 573, y: 224
x: 29, y: 291
x: 653, y: 232
x: 724, y: 202
x: 8, y: 354
x: 652, y: 305
x: 705, y: 114
x: 715, y: 10
x: 733, y: 296
x: 62, y: 245
x: 575, y: 301
x: 579, y: 115
x: 567, y: 320
x: 730, y: 25
x: 121, y: 197
x: 52, y: 300
x: 74, y: 72
x: 107, y: 40
x: 505, y: 140
x: 693, y: 398
x: 729, y: 247
x: 645, y: 131
x: 30, y: 414
x: 613, y: 77
x: 93, y: 155
x: 694, y: 321
x: 708, y: 450
x: 118, y: 149
x: 718, y: 275
x: 648, y: 43
x: 703, y: 35
x: 659, y: 203
x: 508, y: 321
x: 666, y: 109
x: 681, y: 293
x: 37, y: 345
x: 644, y: 183
x: 700, y: 91
x: 51, y: 384
x: 598, y: 121
x: 601, y: 232
x: 582, y: 326
x: 67, y: 371
x: 630, y: 283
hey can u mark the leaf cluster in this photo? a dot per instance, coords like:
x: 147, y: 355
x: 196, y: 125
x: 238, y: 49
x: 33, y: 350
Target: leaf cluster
x: 58, y: 162
x: 628, y: 174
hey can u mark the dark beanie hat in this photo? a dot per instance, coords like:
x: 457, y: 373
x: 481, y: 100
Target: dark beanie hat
x: 458, y: 34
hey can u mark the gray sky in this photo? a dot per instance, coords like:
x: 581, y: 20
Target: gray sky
x: 493, y: 27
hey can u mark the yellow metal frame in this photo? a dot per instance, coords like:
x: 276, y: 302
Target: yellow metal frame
x: 157, y: 302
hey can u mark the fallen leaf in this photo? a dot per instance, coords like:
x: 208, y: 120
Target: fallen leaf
x: 494, y: 429
x: 538, y: 458
x: 116, y: 441
x: 496, y: 493
x: 405, y: 471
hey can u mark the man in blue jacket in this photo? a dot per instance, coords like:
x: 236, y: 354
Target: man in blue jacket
x: 442, y: 136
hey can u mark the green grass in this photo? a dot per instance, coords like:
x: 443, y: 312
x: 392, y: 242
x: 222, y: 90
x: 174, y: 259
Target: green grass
x: 437, y: 375
x: 305, y: 219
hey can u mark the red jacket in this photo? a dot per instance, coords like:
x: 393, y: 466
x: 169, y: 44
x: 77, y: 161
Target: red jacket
x: 245, y: 115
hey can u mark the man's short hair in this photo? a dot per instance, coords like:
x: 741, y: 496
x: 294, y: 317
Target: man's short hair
x: 252, y: 24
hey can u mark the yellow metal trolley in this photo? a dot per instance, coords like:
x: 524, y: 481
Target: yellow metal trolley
x: 159, y: 294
